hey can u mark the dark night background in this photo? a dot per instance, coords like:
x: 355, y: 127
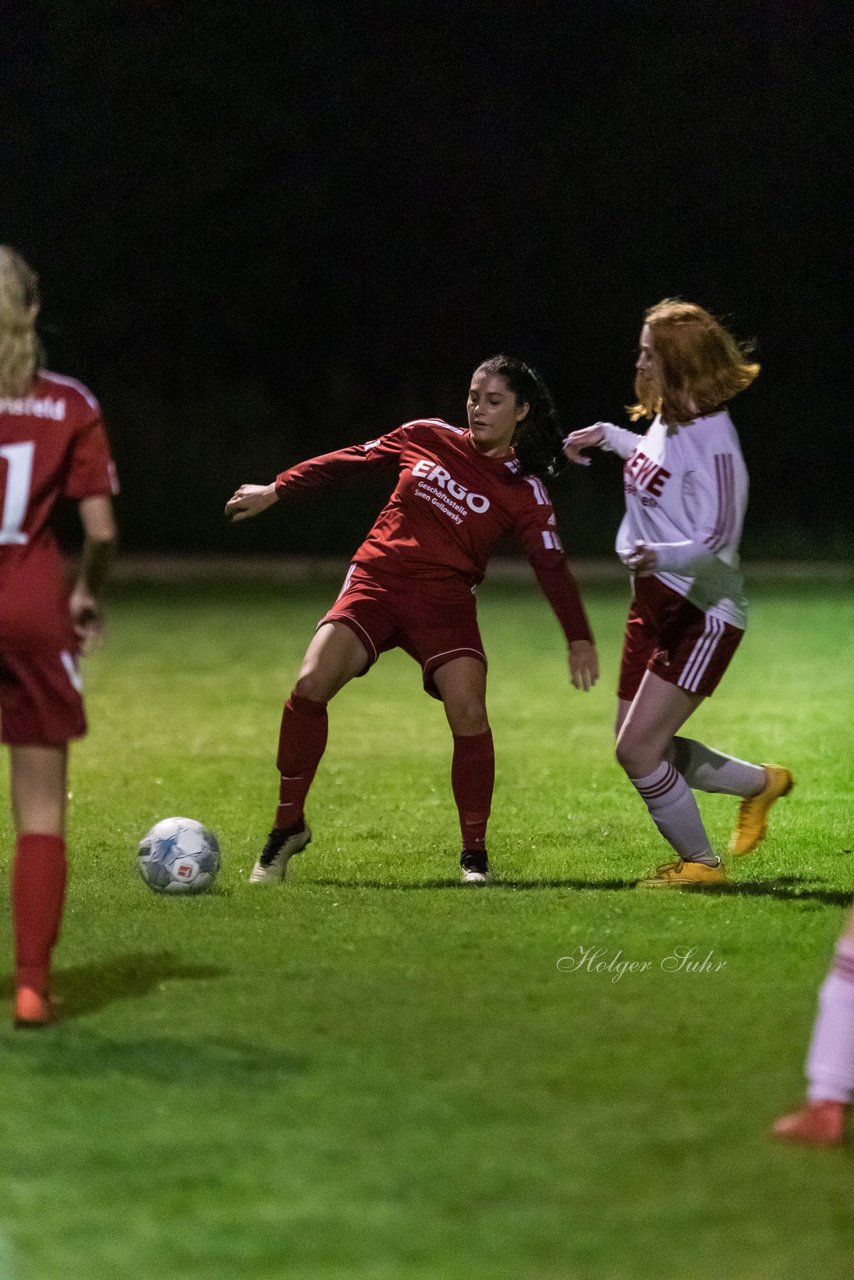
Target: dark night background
x: 266, y: 230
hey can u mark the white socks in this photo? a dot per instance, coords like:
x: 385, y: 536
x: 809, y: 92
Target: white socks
x: 708, y: 770
x: 830, y: 1062
x: 674, y: 811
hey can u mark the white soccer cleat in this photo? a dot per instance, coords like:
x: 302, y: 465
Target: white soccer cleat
x: 474, y: 865
x: 272, y: 866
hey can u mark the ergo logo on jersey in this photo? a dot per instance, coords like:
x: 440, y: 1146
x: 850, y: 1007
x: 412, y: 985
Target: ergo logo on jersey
x: 474, y: 501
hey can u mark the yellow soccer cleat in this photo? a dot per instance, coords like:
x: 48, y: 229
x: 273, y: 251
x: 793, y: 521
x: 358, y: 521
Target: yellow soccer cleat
x: 752, y: 822
x: 684, y: 875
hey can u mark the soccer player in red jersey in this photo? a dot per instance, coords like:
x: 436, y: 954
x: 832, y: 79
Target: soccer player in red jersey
x: 52, y: 445
x: 411, y: 585
x: 686, y: 493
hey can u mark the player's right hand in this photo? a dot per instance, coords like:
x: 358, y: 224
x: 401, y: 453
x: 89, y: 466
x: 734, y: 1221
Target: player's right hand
x: 250, y: 500
x: 86, y: 617
x: 586, y: 438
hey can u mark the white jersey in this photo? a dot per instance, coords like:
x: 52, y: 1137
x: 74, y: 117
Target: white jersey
x: 686, y: 495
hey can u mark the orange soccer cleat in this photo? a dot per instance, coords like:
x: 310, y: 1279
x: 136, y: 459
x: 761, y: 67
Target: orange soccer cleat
x: 684, y: 875
x: 752, y: 821
x: 818, y: 1124
x: 32, y: 1010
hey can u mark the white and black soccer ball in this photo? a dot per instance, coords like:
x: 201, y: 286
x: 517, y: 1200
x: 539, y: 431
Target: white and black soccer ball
x: 179, y: 855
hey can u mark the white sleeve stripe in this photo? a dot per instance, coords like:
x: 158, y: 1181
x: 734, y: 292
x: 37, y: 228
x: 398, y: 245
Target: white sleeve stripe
x: 539, y: 491
x: 724, y: 529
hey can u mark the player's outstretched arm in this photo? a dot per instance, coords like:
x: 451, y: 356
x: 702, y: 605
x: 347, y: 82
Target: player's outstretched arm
x: 587, y: 438
x: 250, y: 500
x: 583, y: 664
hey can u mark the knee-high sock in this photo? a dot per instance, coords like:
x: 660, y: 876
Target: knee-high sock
x: 472, y: 779
x: 674, y: 811
x: 707, y: 770
x: 39, y: 873
x: 302, y: 742
x: 830, y: 1061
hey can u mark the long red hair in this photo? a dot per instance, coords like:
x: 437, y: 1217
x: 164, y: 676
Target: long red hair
x: 701, y: 365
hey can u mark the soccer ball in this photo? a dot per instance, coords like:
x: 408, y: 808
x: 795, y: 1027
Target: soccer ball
x: 179, y: 855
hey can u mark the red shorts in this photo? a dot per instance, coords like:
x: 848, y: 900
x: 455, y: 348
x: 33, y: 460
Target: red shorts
x: 668, y: 635
x: 432, y: 620
x: 41, y: 702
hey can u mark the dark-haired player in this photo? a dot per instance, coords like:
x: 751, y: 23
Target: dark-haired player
x: 52, y: 445
x: 411, y: 585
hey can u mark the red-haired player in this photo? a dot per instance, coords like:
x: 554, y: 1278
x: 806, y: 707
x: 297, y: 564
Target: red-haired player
x: 686, y: 492
x: 52, y: 445
x: 411, y: 585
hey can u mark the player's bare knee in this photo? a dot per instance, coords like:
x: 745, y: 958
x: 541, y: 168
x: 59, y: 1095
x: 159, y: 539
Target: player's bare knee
x: 635, y: 758
x: 309, y: 685
x: 468, y: 719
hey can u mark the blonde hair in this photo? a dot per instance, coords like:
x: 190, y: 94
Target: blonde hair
x: 20, y: 348
x: 701, y: 365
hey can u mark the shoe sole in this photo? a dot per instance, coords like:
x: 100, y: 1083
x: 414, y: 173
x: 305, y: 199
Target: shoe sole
x: 684, y: 885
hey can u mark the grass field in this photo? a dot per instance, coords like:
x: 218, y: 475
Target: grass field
x: 374, y: 1073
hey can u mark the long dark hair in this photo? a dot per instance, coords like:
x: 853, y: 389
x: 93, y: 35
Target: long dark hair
x: 539, y: 437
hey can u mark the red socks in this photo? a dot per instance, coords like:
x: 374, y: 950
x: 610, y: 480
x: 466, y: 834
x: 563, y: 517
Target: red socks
x: 38, y: 895
x: 302, y: 742
x: 472, y: 778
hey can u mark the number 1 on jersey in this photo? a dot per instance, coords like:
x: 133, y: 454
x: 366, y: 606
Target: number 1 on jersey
x: 19, y: 474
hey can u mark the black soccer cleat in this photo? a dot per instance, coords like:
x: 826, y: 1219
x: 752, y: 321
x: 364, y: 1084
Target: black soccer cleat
x: 281, y: 846
x: 475, y: 866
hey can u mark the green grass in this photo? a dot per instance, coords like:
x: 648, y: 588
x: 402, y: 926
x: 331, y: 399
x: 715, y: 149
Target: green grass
x: 375, y: 1074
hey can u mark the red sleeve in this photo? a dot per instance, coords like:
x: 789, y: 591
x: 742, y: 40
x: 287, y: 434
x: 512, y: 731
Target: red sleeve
x: 91, y: 470
x: 561, y: 591
x: 536, y: 528
x: 381, y: 454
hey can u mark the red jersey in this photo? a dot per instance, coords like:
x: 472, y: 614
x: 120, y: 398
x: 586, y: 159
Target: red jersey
x: 52, y: 445
x: 449, y: 509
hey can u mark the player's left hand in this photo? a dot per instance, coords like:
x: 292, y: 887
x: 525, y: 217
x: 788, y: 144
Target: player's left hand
x: 643, y: 561
x: 250, y: 500
x: 583, y: 664
x: 87, y: 619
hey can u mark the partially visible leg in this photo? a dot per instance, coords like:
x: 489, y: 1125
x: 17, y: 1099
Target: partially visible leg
x: 705, y: 769
x: 462, y: 685
x: 759, y: 785
x: 657, y: 712
x: 333, y: 658
x: 39, y: 872
x: 830, y: 1061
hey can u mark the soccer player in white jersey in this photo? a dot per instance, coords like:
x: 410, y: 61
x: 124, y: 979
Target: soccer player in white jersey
x: 686, y: 491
